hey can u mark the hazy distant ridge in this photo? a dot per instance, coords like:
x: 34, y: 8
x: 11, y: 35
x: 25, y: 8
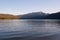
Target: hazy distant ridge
x: 33, y: 15
x: 40, y: 15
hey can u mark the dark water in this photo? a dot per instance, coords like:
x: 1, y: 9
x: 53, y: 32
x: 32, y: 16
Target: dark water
x: 30, y: 29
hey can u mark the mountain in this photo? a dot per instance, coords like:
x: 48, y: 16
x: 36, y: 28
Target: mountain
x: 8, y: 16
x: 53, y: 16
x: 34, y: 15
x: 40, y: 15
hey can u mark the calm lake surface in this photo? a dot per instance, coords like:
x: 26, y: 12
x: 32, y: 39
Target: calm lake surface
x: 30, y: 29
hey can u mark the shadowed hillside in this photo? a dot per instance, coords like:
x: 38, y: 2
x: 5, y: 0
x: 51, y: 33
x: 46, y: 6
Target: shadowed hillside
x: 34, y: 15
x: 40, y: 15
x: 53, y: 16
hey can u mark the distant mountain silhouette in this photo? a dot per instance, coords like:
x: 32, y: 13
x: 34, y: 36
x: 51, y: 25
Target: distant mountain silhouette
x: 34, y: 15
x: 41, y: 15
x: 53, y: 16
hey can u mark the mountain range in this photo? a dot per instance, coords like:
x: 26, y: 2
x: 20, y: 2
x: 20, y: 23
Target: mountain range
x: 33, y: 15
x: 41, y: 15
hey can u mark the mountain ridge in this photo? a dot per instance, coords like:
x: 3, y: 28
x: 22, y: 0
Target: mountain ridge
x: 40, y: 15
x: 33, y: 15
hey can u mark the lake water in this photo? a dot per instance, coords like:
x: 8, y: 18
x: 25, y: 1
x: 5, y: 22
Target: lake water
x: 30, y: 29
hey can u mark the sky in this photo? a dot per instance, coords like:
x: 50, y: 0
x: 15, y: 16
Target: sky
x: 20, y: 7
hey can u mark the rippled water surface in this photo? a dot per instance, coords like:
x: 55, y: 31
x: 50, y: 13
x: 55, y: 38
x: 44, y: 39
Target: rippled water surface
x: 30, y: 29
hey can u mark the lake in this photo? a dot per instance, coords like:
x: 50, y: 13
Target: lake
x: 30, y: 29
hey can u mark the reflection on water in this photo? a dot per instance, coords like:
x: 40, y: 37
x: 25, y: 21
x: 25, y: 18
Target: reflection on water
x: 29, y: 29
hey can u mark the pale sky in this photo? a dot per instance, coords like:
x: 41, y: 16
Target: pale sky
x: 20, y: 7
